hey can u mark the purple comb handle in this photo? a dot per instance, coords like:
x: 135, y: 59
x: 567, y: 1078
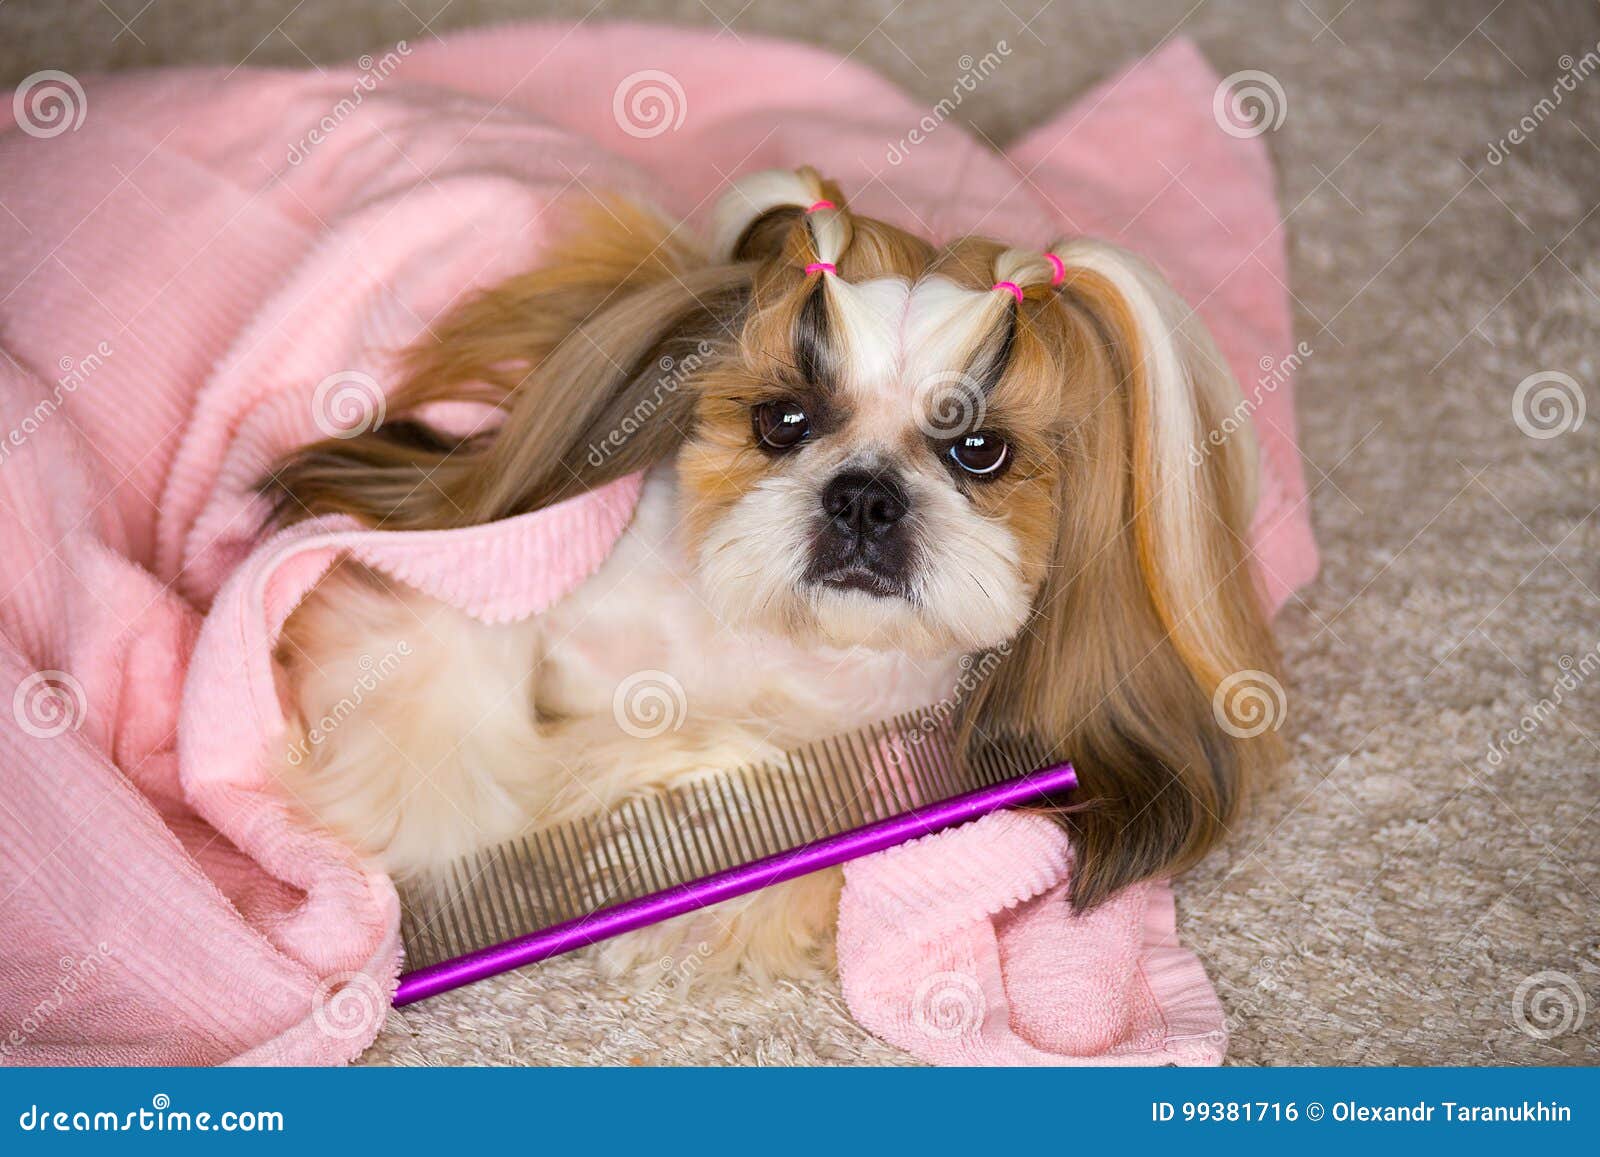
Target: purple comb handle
x: 725, y: 885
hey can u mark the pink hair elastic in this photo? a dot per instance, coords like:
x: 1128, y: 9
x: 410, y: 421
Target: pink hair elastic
x: 821, y: 205
x: 1012, y: 287
x: 1059, y: 266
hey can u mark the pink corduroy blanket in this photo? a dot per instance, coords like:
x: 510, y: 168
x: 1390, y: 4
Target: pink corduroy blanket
x: 185, y: 271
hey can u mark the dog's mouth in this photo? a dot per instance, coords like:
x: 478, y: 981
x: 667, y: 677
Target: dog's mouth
x: 859, y: 577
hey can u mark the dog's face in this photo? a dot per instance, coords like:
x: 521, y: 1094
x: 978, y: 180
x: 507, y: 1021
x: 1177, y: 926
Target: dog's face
x: 871, y: 467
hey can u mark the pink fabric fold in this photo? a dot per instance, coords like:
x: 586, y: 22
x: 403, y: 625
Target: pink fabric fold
x: 180, y: 275
x: 960, y: 948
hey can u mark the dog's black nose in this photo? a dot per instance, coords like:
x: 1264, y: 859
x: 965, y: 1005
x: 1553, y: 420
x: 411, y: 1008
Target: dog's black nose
x: 866, y: 505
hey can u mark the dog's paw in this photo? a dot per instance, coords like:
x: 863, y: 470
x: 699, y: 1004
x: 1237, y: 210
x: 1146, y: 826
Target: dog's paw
x: 781, y: 932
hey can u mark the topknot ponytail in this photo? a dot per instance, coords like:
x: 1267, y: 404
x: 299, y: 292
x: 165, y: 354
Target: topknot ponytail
x: 1025, y: 268
x: 756, y: 217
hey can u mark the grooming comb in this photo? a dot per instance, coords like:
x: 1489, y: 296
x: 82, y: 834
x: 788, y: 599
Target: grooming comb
x: 660, y: 855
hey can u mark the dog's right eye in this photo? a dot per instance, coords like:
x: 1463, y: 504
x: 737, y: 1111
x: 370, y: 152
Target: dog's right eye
x: 780, y: 426
x: 981, y: 454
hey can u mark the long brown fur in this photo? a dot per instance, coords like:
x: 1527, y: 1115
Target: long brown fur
x: 1115, y: 673
x: 568, y: 352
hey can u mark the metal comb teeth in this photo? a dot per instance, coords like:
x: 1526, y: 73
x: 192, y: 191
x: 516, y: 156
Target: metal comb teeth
x: 566, y: 885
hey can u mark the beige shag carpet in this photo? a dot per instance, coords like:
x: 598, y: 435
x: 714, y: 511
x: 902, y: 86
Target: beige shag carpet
x: 1400, y: 896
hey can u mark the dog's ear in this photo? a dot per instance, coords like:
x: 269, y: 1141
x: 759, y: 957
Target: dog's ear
x: 592, y: 357
x: 1149, y: 605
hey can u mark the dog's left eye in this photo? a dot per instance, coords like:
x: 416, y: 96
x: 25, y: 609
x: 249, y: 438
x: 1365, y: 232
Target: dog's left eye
x: 981, y: 454
x: 780, y: 425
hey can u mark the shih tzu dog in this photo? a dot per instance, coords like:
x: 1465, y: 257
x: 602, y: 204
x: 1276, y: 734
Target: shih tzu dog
x: 873, y: 458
